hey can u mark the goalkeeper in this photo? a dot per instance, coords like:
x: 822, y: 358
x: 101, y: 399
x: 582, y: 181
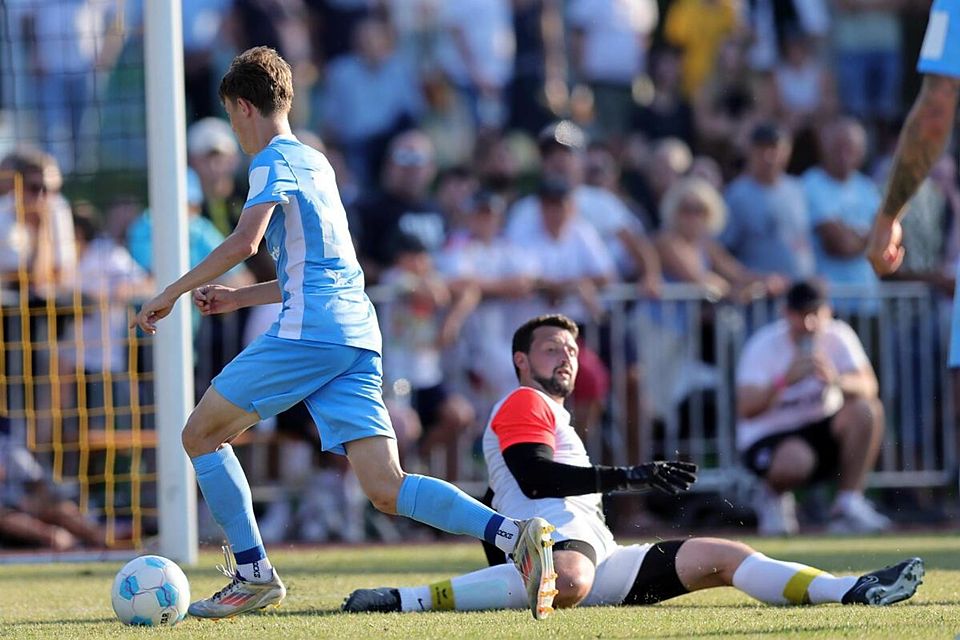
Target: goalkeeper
x: 538, y: 466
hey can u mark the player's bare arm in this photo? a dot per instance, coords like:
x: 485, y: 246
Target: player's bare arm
x: 237, y: 247
x: 922, y: 140
x: 212, y: 299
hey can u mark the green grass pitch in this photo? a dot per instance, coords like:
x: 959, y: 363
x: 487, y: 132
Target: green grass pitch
x: 72, y: 601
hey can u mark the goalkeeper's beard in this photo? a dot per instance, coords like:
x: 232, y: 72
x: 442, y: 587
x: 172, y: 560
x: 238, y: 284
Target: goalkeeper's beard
x: 554, y: 386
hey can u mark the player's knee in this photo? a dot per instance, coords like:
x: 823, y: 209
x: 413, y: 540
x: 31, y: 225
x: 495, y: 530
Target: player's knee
x: 195, y: 439
x: 572, y: 588
x: 729, y: 556
x: 190, y: 441
x: 384, y: 499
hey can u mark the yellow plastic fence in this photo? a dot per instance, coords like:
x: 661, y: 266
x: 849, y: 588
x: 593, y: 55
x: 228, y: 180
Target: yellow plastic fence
x: 89, y: 426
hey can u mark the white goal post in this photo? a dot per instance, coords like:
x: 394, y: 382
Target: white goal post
x: 173, y: 348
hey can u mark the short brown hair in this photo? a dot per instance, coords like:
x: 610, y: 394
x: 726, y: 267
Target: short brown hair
x: 261, y: 77
x: 523, y: 337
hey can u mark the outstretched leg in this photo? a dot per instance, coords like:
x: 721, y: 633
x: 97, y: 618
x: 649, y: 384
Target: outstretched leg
x: 712, y: 562
x: 444, y: 506
x: 497, y: 587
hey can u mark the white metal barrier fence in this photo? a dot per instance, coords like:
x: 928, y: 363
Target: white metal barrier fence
x: 681, y: 352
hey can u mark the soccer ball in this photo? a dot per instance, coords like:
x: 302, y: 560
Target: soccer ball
x: 151, y: 591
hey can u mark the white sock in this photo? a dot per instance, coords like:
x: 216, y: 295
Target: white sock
x: 496, y: 587
x: 259, y: 571
x: 843, y: 498
x: 778, y: 582
x: 508, y: 535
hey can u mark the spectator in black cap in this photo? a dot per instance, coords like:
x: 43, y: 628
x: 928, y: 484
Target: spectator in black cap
x: 562, y: 145
x: 768, y: 227
x: 572, y: 265
x: 402, y: 205
x: 808, y: 410
x: 505, y: 276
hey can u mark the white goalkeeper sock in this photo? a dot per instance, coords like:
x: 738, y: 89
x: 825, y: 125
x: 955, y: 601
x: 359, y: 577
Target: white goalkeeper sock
x: 496, y: 587
x: 778, y: 582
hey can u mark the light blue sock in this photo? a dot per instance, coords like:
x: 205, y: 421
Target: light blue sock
x: 227, y: 493
x: 442, y: 505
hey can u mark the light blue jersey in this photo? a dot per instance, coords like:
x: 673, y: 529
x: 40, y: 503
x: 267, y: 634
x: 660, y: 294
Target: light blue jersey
x: 940, y: 53
x: 325, y: 346
x: 321, y: 280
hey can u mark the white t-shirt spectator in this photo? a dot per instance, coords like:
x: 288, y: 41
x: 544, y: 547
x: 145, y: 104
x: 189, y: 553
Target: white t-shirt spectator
x: 104, y: 268
x: 487, y: 335
x: 767, y: 355
x: 614, y: 35
x: 17, y: 241
x: 578, y: 253
x: 603, y: 210
x: 487, y: 26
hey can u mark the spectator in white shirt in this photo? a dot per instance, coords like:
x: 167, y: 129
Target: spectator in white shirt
x: 36, y: 229
x: 572, y: 265
x: 562, y: 146
x: 504, y: 275
x: 808, y: 410
x: 477, y: 54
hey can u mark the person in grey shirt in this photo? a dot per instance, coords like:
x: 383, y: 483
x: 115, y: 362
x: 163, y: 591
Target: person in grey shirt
x: 768, y: 228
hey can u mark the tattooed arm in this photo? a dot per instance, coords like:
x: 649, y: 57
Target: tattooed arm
x: 922, y: 140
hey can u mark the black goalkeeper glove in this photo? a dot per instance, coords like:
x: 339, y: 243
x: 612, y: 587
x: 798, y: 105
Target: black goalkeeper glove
x: 669, y: 476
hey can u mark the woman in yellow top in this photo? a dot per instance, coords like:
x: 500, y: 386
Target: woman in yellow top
x: 698, y: 27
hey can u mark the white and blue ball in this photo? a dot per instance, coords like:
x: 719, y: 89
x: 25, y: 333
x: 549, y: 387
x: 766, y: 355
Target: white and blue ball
x: 151, y: 591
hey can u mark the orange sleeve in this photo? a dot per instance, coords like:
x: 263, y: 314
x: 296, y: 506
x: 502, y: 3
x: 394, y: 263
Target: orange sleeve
x: 524, y: 417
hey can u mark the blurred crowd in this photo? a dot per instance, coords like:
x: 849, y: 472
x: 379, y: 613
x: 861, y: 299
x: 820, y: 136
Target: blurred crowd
x: 498, y: 159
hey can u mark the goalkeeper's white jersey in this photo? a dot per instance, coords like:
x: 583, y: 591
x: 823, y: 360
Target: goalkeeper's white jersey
x: 527, y: 415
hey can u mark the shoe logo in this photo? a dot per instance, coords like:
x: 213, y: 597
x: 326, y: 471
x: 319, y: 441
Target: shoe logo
x: 236, y: 599
x: 870, y: 579
x: 420, y: 602
x: 505, y: 534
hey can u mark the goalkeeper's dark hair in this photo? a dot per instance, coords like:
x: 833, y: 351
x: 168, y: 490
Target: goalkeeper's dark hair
x: 261, y: 77
x: 523, y: 337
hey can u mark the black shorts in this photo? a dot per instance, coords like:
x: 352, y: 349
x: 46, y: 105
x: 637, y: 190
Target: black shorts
x: 657, y: 578
x: 428, y: 402
x: 820, y: 438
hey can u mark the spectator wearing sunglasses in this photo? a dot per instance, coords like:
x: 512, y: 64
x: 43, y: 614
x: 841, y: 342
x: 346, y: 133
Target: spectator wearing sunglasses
x: 402, y: 205
x: 36, y: 225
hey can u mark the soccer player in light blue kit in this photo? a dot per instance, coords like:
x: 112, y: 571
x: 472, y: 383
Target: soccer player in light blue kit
x: 324, y: 349
x: 922, y: 141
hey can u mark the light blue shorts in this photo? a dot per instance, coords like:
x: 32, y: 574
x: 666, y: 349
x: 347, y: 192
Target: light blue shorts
x: 341, y: 386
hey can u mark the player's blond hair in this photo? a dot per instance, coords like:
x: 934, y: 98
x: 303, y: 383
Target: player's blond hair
x: 261, y: 77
